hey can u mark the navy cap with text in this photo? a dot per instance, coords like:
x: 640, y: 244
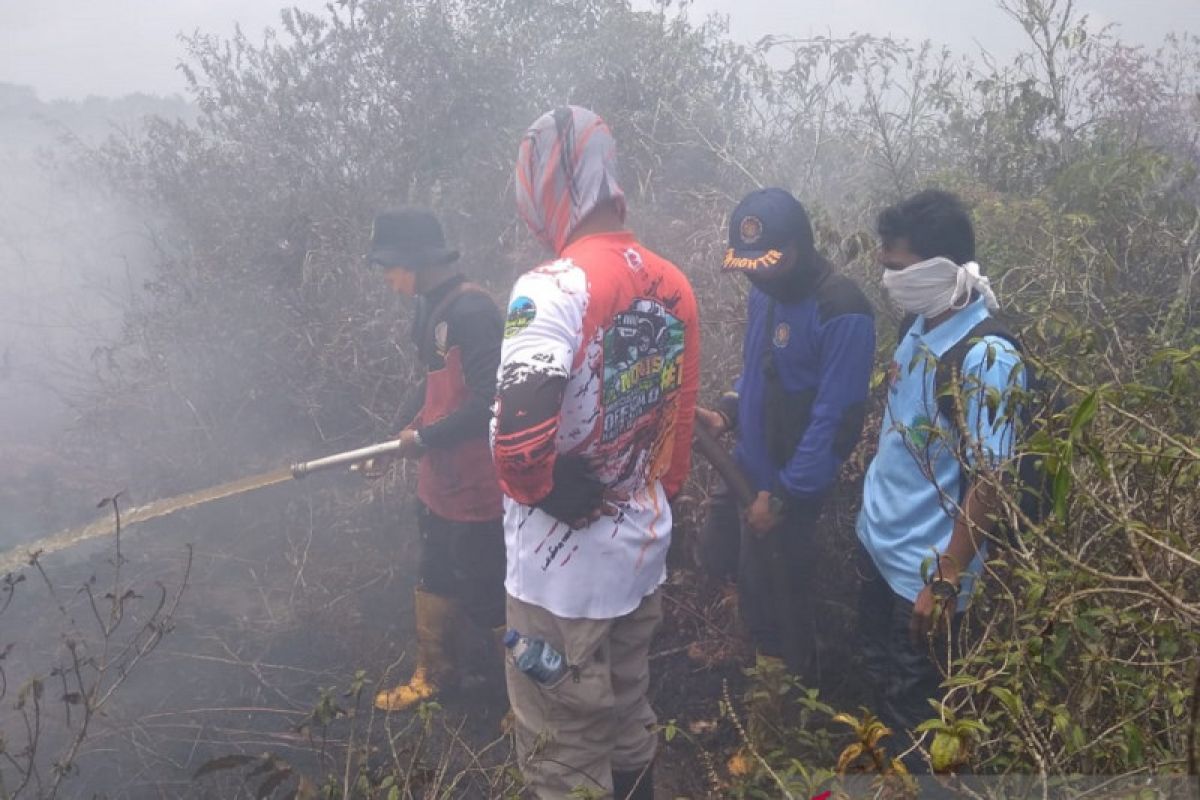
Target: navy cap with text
x: 761, y: 227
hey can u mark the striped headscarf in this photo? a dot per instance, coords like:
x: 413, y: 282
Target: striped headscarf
x: 566, y: 166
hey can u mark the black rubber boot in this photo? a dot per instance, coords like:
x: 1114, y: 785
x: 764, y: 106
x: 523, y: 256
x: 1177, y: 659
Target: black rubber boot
x: 635, y: 785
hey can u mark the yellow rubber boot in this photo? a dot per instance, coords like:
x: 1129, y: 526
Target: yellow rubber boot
x: 436, y: 617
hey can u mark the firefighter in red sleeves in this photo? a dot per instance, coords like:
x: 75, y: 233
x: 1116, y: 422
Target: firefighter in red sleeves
x: 458, y: 332
x: 593, y: 438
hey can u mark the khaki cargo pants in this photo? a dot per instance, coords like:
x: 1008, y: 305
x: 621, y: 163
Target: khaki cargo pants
x: 573, y: 734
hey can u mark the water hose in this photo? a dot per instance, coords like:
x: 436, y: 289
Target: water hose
x: 302, y: 468
x: 782, y: 591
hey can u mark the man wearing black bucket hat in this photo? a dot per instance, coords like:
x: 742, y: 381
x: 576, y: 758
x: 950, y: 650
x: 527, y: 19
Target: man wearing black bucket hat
x: 458, y: 330
x: 797, y: 409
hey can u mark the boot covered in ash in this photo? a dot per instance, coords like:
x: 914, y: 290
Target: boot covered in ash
x: 436, y: 670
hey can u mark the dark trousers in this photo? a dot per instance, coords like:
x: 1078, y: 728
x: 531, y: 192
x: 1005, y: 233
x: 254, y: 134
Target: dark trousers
x: 903, y: 675
x: 775, y: 591
x: 464, y: 562
x: 720, y: 536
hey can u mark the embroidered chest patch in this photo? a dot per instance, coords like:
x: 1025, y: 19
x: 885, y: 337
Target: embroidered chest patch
x: 783, y: 334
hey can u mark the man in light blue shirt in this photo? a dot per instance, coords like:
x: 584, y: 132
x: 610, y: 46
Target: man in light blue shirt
x: 922, y: 511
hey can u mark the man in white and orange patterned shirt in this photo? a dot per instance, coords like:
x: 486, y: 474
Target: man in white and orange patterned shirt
x: 591, y: 439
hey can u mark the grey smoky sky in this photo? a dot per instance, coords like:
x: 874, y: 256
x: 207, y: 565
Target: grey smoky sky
x: 75, y: 48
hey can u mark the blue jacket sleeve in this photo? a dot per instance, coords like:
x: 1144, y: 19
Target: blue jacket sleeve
x: 847, y: 355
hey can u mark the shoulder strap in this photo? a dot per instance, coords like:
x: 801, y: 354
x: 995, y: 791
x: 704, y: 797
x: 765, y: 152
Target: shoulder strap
x: 949, y: 373
x: 439, y: 311
x: 950, y: 365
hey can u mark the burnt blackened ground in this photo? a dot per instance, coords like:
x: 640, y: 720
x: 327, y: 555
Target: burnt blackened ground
x: 295, y: 589
x: 702, y: 653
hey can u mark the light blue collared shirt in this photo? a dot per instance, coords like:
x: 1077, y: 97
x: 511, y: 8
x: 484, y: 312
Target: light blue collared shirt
x: 914, y: 484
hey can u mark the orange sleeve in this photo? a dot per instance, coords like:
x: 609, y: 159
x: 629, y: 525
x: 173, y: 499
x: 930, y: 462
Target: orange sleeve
x: 525, y: 449
x: 685, y: 410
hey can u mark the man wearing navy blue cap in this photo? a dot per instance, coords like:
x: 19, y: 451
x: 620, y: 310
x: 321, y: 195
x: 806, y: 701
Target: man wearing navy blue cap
x: 797, y: 409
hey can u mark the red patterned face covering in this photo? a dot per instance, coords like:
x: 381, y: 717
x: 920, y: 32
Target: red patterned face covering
x: 566, y: 167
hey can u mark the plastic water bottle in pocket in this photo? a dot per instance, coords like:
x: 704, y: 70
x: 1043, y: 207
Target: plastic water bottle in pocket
x: 536, y: 658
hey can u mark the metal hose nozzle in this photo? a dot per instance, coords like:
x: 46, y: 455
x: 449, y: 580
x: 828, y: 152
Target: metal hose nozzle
x: 302, y: 468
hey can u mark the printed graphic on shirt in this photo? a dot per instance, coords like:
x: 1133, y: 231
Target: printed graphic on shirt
x: 643, y: 364
x: 633, y: 259
x: 783, y: 334
x: 521, y: 312
x: 601, y: 375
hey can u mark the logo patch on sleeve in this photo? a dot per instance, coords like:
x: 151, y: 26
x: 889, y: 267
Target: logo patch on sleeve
x: 521, y: 312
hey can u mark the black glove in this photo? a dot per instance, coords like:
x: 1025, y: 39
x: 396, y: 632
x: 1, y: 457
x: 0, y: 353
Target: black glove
x: 575, y: 494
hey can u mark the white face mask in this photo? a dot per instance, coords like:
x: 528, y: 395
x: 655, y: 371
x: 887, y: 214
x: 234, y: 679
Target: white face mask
x: 935, y: 285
